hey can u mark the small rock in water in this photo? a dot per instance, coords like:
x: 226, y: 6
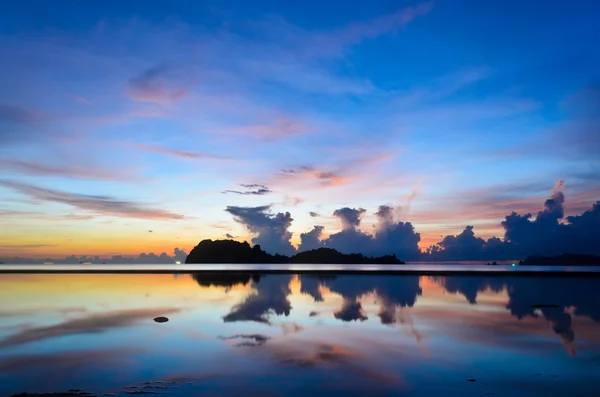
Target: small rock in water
x: 471, y: 380
x: 161, y: 319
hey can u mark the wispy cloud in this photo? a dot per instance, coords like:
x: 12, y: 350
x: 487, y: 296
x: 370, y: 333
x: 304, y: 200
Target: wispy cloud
x: 158, y: 84
x: 77, y: 171
x: 174, y: 152
x: 16, y: 114
x: 98, y: 204
x: 253, y: 190
x: 326, y: 178
x: 93, y: 323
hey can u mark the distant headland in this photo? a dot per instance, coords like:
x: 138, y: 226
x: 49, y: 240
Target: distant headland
x: 231, y: 251
x: 562, y: 260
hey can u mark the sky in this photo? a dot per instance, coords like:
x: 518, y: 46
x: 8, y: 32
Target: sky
x: 144, y: 126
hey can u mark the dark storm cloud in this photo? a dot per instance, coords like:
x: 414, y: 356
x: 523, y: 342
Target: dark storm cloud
x: 102, y: 205
x: 253, y: 190
x: 91, y: 324
x: 271, y: 230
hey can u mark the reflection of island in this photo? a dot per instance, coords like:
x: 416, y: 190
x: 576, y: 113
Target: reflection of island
x: 562, y: 260
x: 230, y: 251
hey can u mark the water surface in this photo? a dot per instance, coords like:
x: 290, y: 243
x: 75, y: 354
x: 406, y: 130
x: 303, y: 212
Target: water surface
x: 295, y: 335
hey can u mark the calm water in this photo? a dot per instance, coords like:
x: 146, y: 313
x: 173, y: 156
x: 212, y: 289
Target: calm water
x: 298, y: 335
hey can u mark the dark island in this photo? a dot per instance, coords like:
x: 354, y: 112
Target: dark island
x: 562, y: 260
x: 230, y: 251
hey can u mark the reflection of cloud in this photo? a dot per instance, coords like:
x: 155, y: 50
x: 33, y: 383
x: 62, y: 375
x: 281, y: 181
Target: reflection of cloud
x: 525, y: 293
x: 271, y: 297
x: 353, y: 364
x: 100, y: 204
x: 65, y: 361
x: 350, y: 311
x: 248, y: 339
x: 40, y: 309
x: 93, y: 323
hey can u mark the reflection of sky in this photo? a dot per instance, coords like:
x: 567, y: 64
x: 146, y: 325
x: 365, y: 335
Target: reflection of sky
x: 96, y: 332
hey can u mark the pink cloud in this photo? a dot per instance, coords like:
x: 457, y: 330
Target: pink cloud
x: 175, y: 153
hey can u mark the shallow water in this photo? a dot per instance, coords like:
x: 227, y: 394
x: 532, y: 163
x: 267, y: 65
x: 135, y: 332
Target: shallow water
x: 296, y: 335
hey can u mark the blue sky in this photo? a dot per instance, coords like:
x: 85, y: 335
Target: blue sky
x: 117, y: 118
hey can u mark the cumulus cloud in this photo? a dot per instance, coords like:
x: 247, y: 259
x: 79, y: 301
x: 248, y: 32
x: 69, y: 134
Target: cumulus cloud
x: 311, y: 240
x: 252, y: 190
x: 390, y: 237
x: 103, y: 205
x: 549, y: 233
x: 270, y: 230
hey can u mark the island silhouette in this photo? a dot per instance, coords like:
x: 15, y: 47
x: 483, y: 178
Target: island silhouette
x: 231, y: 251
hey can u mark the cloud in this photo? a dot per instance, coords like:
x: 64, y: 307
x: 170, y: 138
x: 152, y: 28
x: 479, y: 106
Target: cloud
x: 79, y: 171
x: 229, y: 236
x: 313, y: 214
x: 391, y: 237
x: 326, y: 178
x: 350, y: 217
x: 98, y: 204
x: 175, y: 153
x: 254, y: 190
x: 158, y: 84
x: 90, y: 324
x: 16, y: 114
x: 271, y: 230
x: 550, y: 233
x: 311, y: 240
